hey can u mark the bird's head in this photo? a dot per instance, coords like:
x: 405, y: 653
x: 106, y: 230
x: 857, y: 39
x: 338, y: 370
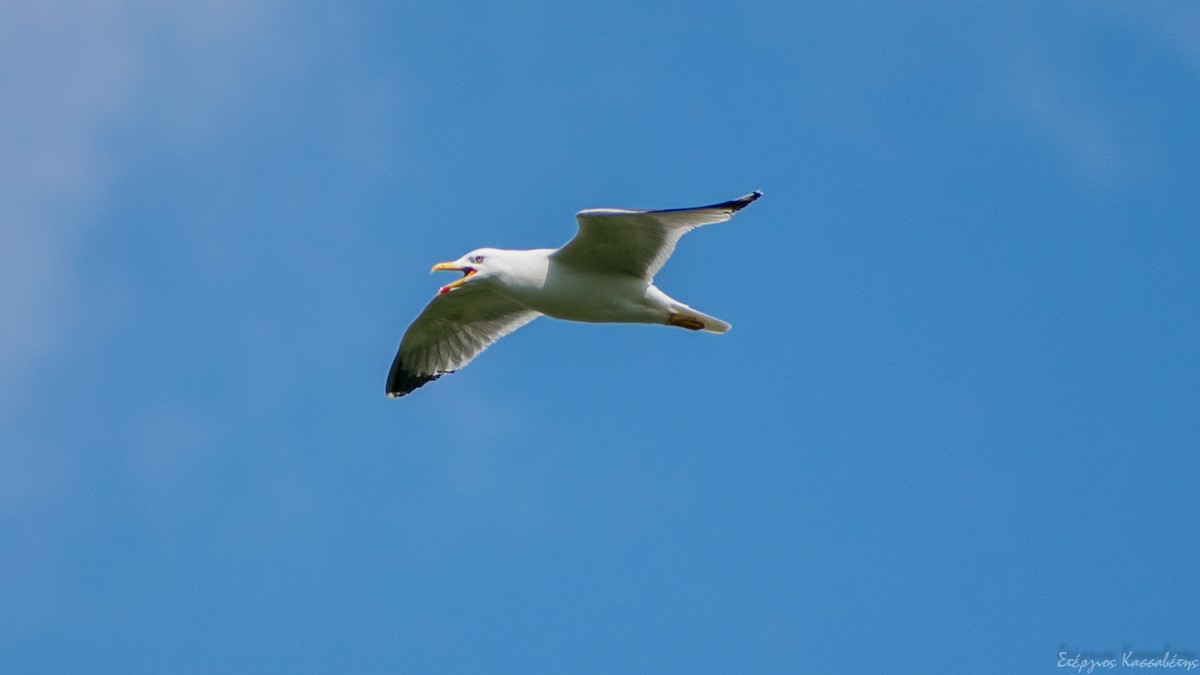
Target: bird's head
x: 476, y: 266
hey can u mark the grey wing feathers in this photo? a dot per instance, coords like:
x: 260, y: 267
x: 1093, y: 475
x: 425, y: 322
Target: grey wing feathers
x: 637, y: 242
x: 451, y: 331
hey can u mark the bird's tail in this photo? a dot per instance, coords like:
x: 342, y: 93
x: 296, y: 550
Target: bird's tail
x: 686, y: 317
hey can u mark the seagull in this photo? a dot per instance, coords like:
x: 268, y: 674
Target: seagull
x: 605, y: 274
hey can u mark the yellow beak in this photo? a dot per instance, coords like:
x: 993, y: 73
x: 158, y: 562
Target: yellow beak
x: 451, y: 267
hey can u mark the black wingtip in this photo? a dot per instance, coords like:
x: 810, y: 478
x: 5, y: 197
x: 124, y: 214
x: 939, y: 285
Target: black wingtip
x: 735, y: 205
x: 400, y: 382
x: 732, y: 206
x: 744, y: 201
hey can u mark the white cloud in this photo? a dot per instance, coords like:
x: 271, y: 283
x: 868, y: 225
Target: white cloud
x: 1176, y: 23
x: 1067, y: 115
x: 1067, y: 98
x: 76, y: 75
x: 65, y: 80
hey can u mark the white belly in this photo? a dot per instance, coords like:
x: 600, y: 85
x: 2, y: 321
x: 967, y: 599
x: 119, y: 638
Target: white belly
x: 595, y: 298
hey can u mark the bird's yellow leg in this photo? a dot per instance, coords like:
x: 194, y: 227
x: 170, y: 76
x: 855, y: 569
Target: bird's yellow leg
x: 684, y: 321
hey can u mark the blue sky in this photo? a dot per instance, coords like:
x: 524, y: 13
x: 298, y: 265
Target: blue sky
x: 954, y: 428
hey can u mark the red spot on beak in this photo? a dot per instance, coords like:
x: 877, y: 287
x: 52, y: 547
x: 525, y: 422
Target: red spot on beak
x: 467, y: 272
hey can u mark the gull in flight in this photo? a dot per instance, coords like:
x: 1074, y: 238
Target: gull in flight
x: 605, y: 274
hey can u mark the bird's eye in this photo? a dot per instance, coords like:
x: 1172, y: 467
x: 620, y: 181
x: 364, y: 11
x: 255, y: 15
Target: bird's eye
x: 477, y: 259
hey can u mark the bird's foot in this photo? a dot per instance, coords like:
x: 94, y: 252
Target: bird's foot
x: 684, y: 321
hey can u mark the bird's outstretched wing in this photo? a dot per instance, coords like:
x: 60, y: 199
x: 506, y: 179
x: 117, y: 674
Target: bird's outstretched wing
x: 634, y: 242
x: 453, y: 329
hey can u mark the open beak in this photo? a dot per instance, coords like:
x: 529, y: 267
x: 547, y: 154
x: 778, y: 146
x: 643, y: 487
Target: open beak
x: 451, y: 267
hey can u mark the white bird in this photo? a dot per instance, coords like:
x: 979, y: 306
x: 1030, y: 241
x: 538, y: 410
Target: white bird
x: 605, y: 274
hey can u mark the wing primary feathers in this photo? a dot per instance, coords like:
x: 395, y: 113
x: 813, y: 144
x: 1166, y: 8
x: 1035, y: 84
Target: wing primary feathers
x: 451, y: 331
x: 401, y: 382
x: 732, y: 206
